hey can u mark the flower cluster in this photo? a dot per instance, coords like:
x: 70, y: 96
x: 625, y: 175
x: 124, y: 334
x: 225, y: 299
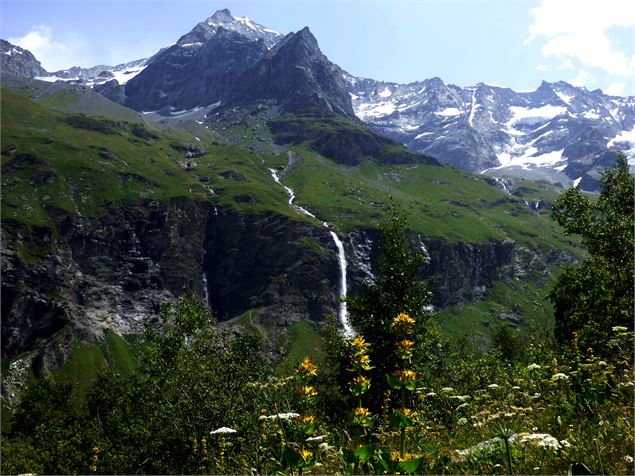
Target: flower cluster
x: 359, y: 384
x: 94, y: 459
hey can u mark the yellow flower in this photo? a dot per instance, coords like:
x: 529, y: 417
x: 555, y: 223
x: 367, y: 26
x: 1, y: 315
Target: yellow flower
x: 96, y: 449
x: 403, y: 322
x: 361, y: 413
x: 360, y: 361
x: 359, y: 385
x: 405, y: 375
x: 360, y: 345
x: 307, y: 367
x: 408, y: 412
x: 305, y: 419
x: 306, y: 454
x: 404, y: 348
x: 93, y: 467
x: 307, y: 391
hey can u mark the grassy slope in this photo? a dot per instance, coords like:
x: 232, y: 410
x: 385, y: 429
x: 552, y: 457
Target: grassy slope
x: 53, y: 160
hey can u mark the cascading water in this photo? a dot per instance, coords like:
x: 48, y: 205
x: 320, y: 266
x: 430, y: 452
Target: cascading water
x: 205, y: 288
x: 343, y: 311
x: 341, y: 257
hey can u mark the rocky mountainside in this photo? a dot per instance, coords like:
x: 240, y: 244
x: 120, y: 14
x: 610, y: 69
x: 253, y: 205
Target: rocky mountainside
x: 560, y: 133
x: 297, y: 76
x: 18, y: 61
x: 200, y: 68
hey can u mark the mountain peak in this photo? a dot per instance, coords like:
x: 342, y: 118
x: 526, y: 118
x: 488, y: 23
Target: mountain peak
x: 219, y: 16
x: 223, y: 19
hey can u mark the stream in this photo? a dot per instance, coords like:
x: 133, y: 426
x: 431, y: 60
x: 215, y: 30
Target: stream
x: 349, y: 332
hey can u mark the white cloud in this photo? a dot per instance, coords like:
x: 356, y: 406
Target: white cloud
x: 53, y: 54
x: 615, y: 89
x: 542, y: 67
x: 575, y: 33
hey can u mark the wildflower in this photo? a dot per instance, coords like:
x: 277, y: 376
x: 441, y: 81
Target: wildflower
x: 360, y: 345
x: 362, y: 417
x: 462, y: 421
x: 306, y: 454
x: 403, y: 322
x: 307, y: 391
x: 360, y: 361
x: 408, y: 412
x: 447, y: 390
x: 359, y: 385
x: 619, y: 329
x: 533, y: 366
x: 305, y: 419
x: 559, y: 376
x: 93, y: 467
x: 361, y: 412
x: 222, y: 430
x: 282, y: 416
x: 542, y: 440
x: 404, y: 348
x: 96, y: 449
x: 307, y: 367
x: 492, y: 386
x: 460, y: 398
x: 405, y: 375
x: 628, y: 459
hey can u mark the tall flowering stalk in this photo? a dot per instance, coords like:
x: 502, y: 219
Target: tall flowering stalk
x: 360, y: 383
x: 404, y: 379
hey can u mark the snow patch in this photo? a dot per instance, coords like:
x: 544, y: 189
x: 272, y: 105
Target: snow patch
x: 449, y: 111
x: 576, y: 182
x: 534, y: 115
x: 386, y: 92
x: 367, y: 111
x: 564, y: 97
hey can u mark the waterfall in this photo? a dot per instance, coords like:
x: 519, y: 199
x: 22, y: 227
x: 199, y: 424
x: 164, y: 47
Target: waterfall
x: 341, y: 257
x: 343, y: 311
x: 205, y: 289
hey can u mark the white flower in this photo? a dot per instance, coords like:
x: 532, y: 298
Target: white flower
x: 222, y: 430
x: 565, y: 444
x: 282, y: 416
x: 559, y: 376
x: 462, y: 421
x: 533, y: 367
x: 543, y: 440
x: 460, y: 398
x: 628, y: 459
x: 492, y: 385
x: 447, y: 390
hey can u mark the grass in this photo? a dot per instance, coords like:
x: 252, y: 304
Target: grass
x: 300, y: 339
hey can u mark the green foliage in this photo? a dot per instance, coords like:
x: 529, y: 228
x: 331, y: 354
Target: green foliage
x: 397, y: 288
x: 598, y: 295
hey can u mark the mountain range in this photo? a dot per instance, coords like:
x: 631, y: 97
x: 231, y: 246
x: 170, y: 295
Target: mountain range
x: 559, y: 133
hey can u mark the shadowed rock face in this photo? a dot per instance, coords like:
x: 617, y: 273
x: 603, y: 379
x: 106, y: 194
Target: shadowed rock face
x: 297, y: 76
x: 187, y: 76
x: 114, y: 271
x: 17, y: 61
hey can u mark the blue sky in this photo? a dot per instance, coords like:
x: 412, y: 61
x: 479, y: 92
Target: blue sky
x: 510, y: 43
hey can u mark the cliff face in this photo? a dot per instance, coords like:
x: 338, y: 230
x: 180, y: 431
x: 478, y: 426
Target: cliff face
x: 113, y: 271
